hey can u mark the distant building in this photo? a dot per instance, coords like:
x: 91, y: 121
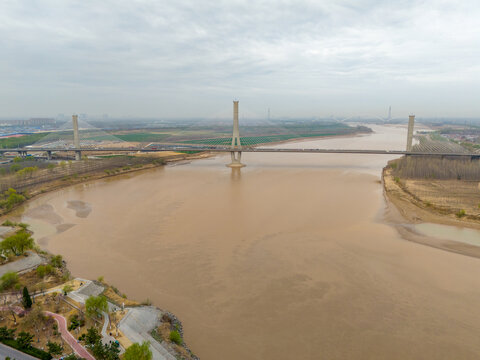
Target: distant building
x: 31, y: 122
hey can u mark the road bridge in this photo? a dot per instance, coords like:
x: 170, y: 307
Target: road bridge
x: 235, y: 149
x: 218, y: 149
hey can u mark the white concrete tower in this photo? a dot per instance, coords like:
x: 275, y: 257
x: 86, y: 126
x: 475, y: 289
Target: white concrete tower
x: 236, y: 152
x: 76, y: 137
x: 411, y: 123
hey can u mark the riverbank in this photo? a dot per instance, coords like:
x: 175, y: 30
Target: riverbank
x: 155, y: 160
x: 444, y: 202
x: 166, y: 320
x: 56, y: 293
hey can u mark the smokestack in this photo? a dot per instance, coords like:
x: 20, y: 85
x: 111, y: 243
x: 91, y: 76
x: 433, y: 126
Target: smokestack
x: 411, y: 123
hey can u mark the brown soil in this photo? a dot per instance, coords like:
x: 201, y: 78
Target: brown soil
x: 111, y: 295
x: 164, y: 331
x: 434, y: 201
x: 438, y: 201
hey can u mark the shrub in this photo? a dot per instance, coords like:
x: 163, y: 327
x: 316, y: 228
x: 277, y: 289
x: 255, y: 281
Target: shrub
x: 54, y: 348
x: 41, y: 271
x: 14, y: 167
x: 23, y: 226
x: 66, y: 289
x: 8, y: 280
x: 12, y: 198
x: 6, y: 334
x: 138, y: 352
x: 175, y: 337
x: 12, y: 224
x: 25, y: 339
x: 75, y: 322
x: 57, y: 261
x: 40, y: 354
x: 461, y: 213
x: 49, y: 269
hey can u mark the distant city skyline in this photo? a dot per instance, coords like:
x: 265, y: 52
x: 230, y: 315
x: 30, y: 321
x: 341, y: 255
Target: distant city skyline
x: 161, y: 59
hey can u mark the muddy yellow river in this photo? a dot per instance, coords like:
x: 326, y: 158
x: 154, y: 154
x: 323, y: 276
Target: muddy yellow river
x: 289, y: 259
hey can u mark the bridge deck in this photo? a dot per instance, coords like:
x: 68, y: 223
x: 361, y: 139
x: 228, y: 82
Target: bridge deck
x: 244, y: 149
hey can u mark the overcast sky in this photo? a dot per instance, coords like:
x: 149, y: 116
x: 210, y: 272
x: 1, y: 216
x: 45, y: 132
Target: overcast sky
x: 192, y: 58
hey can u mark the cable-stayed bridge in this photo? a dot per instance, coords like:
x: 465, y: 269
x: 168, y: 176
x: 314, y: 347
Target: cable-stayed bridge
x: 235, y: 145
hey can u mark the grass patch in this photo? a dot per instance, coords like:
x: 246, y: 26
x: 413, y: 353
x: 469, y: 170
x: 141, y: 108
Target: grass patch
x: 175, y: 337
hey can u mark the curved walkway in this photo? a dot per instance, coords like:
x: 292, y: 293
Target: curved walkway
x: 25, y: 263
x: 62, y: 326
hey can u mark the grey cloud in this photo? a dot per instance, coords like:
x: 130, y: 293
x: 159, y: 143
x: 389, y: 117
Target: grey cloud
x: 299, y: 57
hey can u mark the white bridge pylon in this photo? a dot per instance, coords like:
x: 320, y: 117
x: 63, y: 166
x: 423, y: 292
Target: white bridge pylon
x: 236, y: 148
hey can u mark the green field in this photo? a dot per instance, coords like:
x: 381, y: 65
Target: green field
x: 21, y: 141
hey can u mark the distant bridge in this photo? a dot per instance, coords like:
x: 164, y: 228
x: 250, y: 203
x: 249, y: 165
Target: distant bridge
x: 235, y: 149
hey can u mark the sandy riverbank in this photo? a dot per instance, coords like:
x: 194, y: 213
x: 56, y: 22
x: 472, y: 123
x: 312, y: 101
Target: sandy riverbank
x: 432, y: 201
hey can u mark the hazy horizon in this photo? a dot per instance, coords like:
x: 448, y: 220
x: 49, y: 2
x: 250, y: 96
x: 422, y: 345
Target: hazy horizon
x: 157, y: 59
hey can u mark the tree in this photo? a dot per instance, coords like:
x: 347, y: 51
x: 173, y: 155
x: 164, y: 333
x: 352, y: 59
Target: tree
x: 41, y: 271
x: 6, y: 334
x: 92, y: 336
x: 8, y: 280
x: 138, y: 352
x: 25, y: 339
x: 95, y: 305
x: 66, y: 289
x: 12, y: 198
x: 54, y: 348
x: 35, y: 318
x: 27, y: 300
x: 93, y: 340
x: 18, y: 242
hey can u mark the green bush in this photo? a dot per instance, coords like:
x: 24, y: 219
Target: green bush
x: 57, y: 261
x: 41, y: 272
x: 461, y: 213
x: 40, y: 354
x: 54, y: 348
x: 8, y: 280
x: 18, y: 243
x: 11, y: 198
x: 12, y: 224
x: 175, y: 337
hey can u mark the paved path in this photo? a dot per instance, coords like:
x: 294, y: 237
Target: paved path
x: 13, y: 354
x: 136, y: 326
x: 62, y: 326
x: 24, y: 263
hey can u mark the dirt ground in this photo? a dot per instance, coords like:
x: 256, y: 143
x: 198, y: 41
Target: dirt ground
x: 436, y: 201
x: 439, y: 201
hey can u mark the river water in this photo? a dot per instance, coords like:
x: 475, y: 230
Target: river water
x: 288, y: 259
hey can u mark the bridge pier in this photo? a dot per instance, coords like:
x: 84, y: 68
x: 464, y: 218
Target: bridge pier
x: 236, y: 152
x: 49, y: 155
x: 78, y: 155
x: 236, y: 160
